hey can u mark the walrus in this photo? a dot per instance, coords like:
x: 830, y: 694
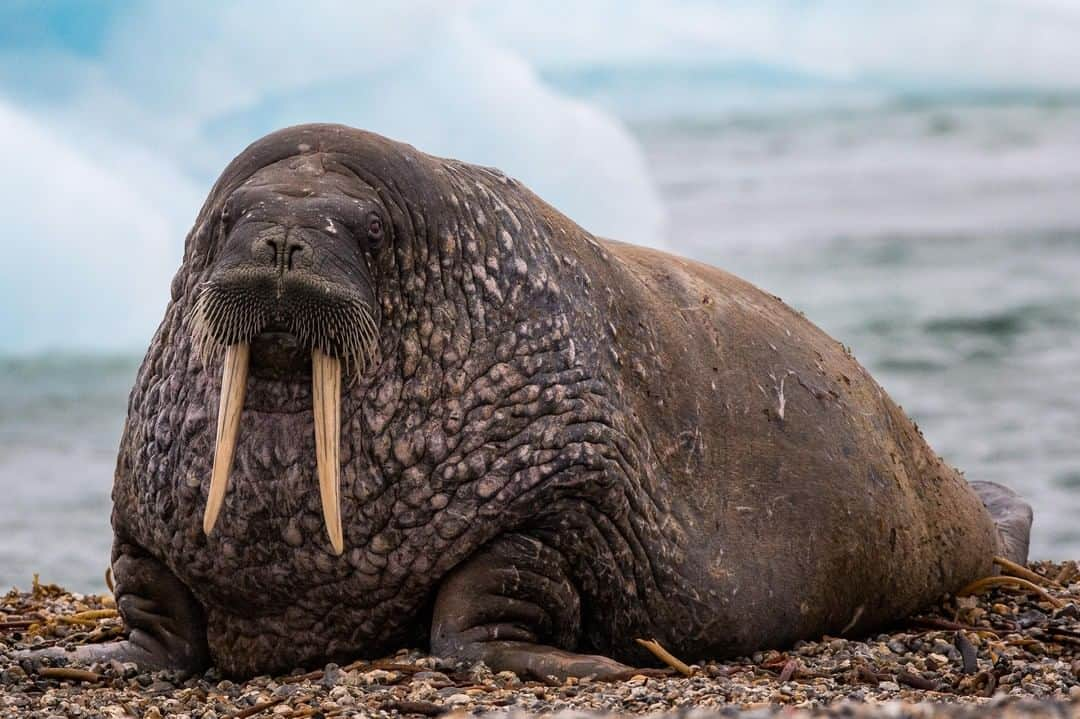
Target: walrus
x: 399, y: 400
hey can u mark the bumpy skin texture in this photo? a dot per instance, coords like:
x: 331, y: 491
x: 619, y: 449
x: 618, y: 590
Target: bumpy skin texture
x: 705, y: 465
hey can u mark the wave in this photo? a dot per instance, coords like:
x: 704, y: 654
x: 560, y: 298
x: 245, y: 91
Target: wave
x: 688, y: 57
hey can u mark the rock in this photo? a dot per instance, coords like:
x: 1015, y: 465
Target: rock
x: 332, y: 676
x: 12, y: 675
x: 436, y: 679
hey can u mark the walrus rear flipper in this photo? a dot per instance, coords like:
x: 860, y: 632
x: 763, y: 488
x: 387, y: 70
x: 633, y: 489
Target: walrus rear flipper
x: 1012, y: 516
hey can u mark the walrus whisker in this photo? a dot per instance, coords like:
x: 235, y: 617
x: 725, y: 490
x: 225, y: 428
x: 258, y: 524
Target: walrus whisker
x: 206, y: 344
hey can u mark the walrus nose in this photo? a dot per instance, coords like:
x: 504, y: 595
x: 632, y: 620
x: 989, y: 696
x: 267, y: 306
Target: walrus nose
x: 282, y: 248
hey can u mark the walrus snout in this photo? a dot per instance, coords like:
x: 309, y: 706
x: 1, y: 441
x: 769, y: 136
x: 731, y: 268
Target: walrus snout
x: 283, y: 248
x: 242, y: 302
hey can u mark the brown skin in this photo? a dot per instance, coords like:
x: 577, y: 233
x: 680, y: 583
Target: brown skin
x: 562, y: 444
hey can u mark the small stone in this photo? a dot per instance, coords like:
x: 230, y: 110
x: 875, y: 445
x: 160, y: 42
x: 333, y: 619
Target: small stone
x: 12, y: 675
x: 435, y: 679
x: 332, y: 675
x: 1069, y: 611
x: 507, y: 679
x: 1074, y: 692
x: 480, y: 673
x: 889, y: 686
x: 376, y: 676
x: 458, y: 699
x: 941, y: 647
x: 1031, y: 618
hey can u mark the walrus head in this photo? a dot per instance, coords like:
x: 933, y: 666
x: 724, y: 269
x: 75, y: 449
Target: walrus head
x: 291, y: 295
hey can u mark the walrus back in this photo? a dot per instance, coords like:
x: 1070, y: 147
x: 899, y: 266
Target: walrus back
x: 812, y: 490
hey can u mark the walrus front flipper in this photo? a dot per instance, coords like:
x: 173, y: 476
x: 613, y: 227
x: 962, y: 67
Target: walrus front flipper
x: 1012, y: 516
x: 167, y: 628
x: 513, y: 607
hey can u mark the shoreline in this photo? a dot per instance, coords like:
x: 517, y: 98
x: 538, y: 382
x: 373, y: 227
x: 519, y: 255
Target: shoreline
x: 1004, y: 652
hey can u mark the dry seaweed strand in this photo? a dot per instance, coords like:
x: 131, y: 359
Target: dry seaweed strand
x: 91, y: 616
x: 69, y: 674
x: 1005, y: 580
x: 1017, y: 570
x: 665, y: 656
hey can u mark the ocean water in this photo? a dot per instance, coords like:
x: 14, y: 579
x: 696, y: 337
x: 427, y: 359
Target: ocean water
x: 939, y: 240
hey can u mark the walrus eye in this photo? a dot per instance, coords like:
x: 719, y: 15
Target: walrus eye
x: 374, y: 230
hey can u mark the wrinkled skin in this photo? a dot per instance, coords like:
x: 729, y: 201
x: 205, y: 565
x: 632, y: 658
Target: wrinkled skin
x: 563, y: 443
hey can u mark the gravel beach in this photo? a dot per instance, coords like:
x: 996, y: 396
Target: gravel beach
x: 1007, y: 650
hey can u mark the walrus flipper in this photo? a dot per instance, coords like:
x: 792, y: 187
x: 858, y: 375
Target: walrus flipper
x: 1011, y: 515
x: 167, y: 628
x: 513, y: 607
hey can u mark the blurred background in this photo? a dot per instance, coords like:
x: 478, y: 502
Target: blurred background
x: 905, y: 172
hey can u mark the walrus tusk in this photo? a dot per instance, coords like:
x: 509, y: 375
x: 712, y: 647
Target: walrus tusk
x: 326, y: 396
x: 233, y: 387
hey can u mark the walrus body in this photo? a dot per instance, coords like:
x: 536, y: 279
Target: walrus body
x: 555, y: 445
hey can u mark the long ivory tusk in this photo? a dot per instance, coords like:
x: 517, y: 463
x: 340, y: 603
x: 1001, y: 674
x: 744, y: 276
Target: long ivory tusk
x: 326, y: 396
x: 231, y: 404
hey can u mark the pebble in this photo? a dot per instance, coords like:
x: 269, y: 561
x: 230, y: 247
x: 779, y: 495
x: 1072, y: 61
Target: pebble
x: 1012, y: 635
